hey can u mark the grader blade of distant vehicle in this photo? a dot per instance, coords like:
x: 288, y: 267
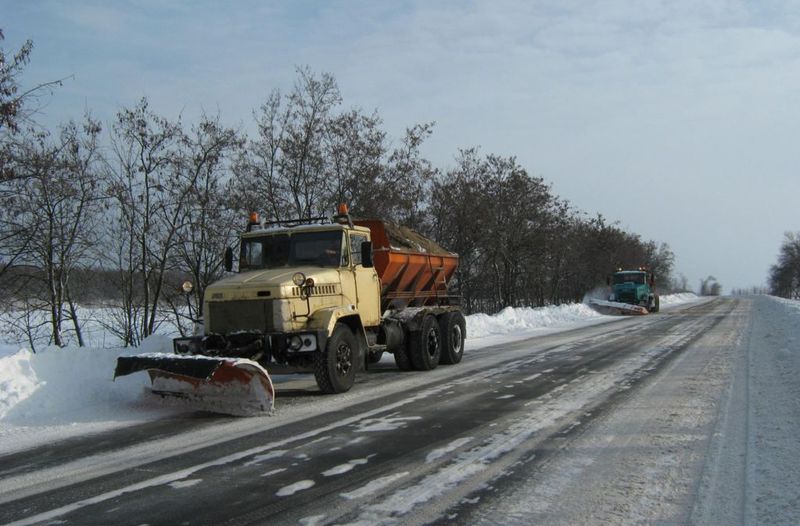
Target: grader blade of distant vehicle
x: 224, y: 385
x: 615, y: 307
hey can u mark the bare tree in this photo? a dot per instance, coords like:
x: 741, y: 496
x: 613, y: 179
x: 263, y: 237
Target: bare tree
x: 408, y: 178
x: 457, y: 207
x: 784, y: 276
x: 15, y: 109
x: 59, y: 201
x: 148, y: 190
x: 354, y: 149
x: 258, y: 185
x: 207, y: 226
x: 14, y: 101
x: 302, y: 163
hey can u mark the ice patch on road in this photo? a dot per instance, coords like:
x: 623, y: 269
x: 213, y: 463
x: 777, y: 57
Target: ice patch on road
x: 268, y: 456
x: 314, y: 520
x: 291, y: 489
x: 180, y: 484
x: 386, y: 423
x: 344, y: 468
x: 455, y: 445
x: 374, y: 486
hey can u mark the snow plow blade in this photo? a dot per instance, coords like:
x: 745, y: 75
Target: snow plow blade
x: 615, y: 307
x: 232, y: 386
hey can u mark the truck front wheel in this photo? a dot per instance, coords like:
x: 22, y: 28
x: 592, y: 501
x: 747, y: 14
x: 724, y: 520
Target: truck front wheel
x: 426, y: 345
x: 335, y: 366
x: 656, y: 304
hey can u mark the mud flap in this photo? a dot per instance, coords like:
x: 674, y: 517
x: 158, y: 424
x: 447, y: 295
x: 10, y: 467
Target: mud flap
x: 615, y: 307
x: 233, y: 386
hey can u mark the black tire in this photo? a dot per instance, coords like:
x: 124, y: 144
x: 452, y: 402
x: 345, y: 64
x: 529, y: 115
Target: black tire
x: 335, y: 367
x: 453, y: 328
x: 374, y: 356
x: 402, y: 359
x: 425, y: 346
x: 657, y: 306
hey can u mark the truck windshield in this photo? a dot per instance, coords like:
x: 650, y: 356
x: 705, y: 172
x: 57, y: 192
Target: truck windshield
x: 322, y: 249
x: 637, y: 277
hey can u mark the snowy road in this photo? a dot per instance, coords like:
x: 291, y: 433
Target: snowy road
x: 686, y: 416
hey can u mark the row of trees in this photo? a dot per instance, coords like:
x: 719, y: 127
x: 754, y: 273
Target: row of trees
x: 784, y: 276
x: 150, y: 200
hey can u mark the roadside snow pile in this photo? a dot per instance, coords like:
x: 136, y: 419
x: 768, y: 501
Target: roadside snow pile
x: 677, y: 299
x: 18, y: 380
x: 793, y: 304
x: 67, y: 385
x: 513, y: 320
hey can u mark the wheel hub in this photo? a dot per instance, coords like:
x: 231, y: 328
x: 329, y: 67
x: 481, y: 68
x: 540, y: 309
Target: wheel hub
x: 344, y: 359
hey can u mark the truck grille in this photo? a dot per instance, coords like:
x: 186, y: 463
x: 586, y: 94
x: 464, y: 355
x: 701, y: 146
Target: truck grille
x: 243, y: 315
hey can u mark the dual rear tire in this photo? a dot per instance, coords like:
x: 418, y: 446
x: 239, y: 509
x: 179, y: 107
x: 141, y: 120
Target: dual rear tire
x: 438, y: 341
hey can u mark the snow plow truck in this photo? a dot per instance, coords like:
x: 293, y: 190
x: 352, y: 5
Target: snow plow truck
x: 632, y: 292
x: 321, y: 296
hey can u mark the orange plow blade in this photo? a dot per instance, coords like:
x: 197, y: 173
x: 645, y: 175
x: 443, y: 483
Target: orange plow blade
x: 234, y: 386
x: 615, y: 307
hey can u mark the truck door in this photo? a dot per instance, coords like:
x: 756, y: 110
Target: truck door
x: 368, y: 288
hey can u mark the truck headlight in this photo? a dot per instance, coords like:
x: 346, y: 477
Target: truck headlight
x: 298, y: 279
x: 302, y: 342
x: 295, y: 342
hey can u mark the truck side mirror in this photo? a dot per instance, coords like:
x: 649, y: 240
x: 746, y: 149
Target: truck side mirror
x: 228, y: 259
x: 652, y: 280
x: 366, y: 254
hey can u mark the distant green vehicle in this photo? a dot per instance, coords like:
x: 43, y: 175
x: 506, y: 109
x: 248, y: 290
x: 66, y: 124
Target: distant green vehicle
x: 632, y: 292
x: 634, y: 287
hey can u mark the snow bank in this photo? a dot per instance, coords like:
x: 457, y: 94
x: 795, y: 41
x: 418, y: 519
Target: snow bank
x: 54, y: 390
x: 678, y: 299
x: 524, y: 319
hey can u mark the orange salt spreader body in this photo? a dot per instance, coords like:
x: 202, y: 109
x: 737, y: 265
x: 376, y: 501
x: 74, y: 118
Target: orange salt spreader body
x: 414, y: 271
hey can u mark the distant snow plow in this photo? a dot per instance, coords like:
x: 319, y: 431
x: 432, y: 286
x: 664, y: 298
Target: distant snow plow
x: 632, y: 292
x: 235, y: 386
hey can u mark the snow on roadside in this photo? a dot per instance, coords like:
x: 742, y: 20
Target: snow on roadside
x: 57, y: 393
x: 61, y: 392
x: 678, y: 299
x: 515, y: 320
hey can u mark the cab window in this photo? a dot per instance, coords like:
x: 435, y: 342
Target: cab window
x: 355, y: 247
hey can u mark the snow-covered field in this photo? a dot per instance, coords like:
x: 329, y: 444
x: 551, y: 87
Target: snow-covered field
x: 56, y: 393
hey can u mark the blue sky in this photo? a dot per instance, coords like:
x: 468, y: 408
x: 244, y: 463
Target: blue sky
x: 677, y: 119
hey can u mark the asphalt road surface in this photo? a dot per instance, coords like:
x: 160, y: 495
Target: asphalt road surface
x: 634, y: 421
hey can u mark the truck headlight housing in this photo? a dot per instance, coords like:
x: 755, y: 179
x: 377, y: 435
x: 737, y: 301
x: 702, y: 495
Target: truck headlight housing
x: 302, y: 342
x: 299, y: 279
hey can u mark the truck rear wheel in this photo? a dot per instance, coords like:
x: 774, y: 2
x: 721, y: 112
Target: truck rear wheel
x: 425, y: 347
x: 402, y: 359
x: 335, y: 366
x: 453, y: 328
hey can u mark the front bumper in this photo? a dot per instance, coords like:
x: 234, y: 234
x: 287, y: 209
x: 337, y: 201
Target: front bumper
x: 278, y: 347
